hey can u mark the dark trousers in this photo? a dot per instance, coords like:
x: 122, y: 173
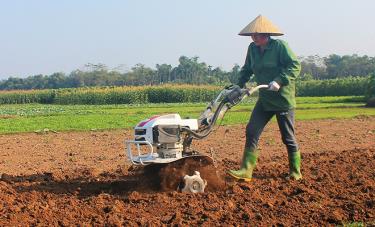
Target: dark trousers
x: 258, y: 120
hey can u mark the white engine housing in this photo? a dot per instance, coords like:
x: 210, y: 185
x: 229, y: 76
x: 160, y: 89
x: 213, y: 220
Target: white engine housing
x: 168, y: 150
x: 143, y: 131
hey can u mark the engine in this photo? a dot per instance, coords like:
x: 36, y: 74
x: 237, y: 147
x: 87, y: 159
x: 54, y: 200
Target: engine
x: 164, y: 133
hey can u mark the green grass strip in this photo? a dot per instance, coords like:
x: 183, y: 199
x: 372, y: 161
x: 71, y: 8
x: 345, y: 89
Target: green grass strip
x: 37, y: 117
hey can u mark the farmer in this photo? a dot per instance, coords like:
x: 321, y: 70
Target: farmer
x: 271, y: 62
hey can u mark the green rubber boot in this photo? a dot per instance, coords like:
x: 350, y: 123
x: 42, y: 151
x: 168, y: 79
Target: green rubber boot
x: 249, y: 161
x: 295, y: 165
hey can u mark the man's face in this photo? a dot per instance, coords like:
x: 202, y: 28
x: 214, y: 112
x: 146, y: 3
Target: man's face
x: 260, y: 39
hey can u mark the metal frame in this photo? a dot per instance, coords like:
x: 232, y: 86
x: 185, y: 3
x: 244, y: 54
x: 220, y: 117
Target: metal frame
x: 139, y: 160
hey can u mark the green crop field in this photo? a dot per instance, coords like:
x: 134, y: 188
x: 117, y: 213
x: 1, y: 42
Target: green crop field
x: 15, y: 118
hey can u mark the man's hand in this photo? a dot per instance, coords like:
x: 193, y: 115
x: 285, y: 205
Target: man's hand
x: 273, y: 86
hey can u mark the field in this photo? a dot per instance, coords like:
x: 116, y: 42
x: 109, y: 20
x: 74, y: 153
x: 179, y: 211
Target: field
x: 39, y: 117
x: 76, y: 173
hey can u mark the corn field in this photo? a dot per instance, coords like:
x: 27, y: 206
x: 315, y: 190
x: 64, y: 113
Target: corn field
x: 113, y: 95
x: 169, y: 93
x: 27, y: 96
x: 334, y: 87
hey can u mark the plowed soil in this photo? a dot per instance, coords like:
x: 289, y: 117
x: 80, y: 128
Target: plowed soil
x: 83, y: 178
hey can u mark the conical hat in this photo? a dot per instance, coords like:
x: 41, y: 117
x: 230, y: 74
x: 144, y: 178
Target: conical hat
x: 261, y: 24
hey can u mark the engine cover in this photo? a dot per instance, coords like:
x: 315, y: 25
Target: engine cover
x: 163, y: 129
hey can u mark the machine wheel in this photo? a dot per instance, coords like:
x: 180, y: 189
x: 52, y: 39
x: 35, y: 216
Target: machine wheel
x: 172, y: 175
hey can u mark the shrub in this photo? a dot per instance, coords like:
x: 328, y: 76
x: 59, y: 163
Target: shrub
x: 370, y: 91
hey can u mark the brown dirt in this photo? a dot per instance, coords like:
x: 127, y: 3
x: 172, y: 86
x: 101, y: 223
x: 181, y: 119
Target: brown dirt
x: 83, y: 178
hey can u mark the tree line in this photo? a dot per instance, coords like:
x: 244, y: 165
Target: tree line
x: 190, y: 70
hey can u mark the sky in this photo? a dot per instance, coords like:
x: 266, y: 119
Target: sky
x: 47, y: 36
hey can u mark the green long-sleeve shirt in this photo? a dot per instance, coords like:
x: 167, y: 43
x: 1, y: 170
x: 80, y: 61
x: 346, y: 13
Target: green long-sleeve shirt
x: 277, y: 63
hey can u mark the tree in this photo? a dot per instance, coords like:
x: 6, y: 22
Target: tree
x: 142, y: 75
x: 57, y: 80
x: 12, y: 83
x: 189, y: 70
x: 235, y: 74
x: 163, y: 73
x: 347, y: 65
x: 312, y: 67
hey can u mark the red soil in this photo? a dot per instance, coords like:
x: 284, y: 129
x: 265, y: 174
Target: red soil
x: 83, y: 178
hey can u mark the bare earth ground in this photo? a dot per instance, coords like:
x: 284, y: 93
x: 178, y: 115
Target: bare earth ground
x: 83, y: 178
